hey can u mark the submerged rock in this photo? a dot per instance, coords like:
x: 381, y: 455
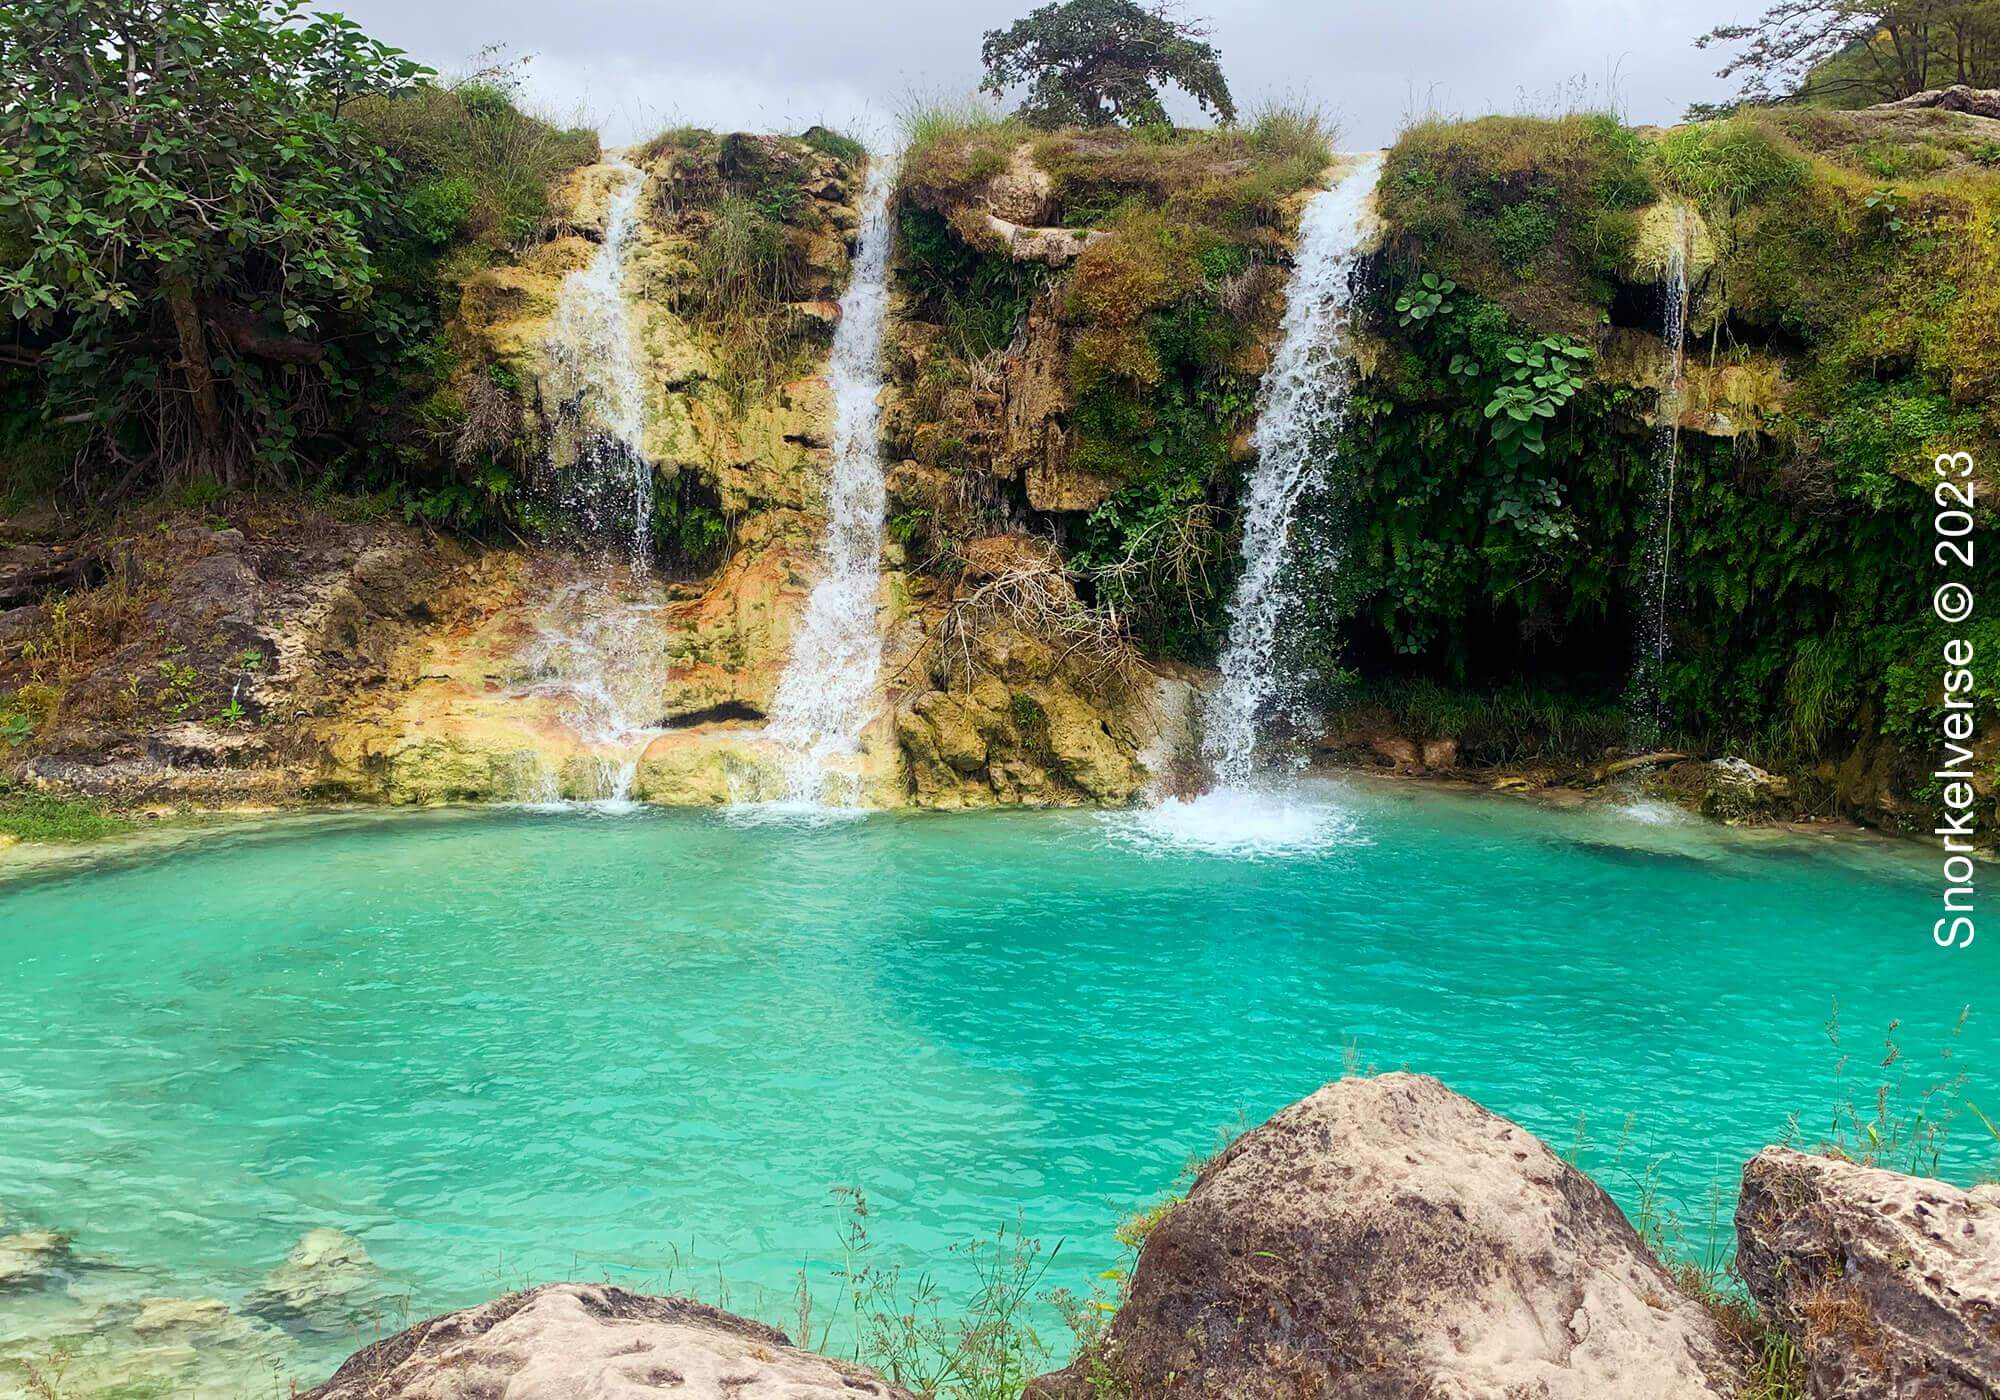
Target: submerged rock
x: 575, y: 1339
x: 1386, y: 1237
x: 29, y: 1258
x: 1890, y: 1284
x: 327, y: 1281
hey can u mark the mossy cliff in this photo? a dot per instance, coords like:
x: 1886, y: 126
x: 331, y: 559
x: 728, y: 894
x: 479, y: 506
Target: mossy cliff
x: 252, y: 651
x: 1085, y: 317
x: 1082, y: 320
x: 1840, y: 333
x: 1079, y: 323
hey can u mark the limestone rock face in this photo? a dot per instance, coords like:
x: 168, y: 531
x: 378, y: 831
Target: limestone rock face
x: 1959, y: 97
x: 582, y: 1339
x: 1388, y: 1238
x: 1889, y: 1283
x: 1028, y: 705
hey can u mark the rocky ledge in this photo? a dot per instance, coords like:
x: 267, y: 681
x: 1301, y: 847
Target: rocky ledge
x: 1383, y: 1239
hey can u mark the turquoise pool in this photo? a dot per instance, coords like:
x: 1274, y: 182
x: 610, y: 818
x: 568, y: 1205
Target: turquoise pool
x: 515, y: 1045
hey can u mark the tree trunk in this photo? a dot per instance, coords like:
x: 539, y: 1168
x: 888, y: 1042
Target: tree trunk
x: 209, y: 446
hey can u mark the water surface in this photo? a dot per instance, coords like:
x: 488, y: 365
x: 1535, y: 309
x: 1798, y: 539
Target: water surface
x: 509, y: 1046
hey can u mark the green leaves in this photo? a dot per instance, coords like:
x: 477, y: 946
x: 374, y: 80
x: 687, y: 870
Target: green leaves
x: 1102, y: 62
x: 1424, y: 298
x: 197, y: 144
x: 1887, y: 205
x: 1537, y: 378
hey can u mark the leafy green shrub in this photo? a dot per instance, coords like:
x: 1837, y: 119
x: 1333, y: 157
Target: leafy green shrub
x: 977, y: 296
x: 439, y: 210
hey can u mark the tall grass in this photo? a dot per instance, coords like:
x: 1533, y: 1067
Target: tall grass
x: 951, y: 145
x: 1292, y: 129
x: 928, y: 120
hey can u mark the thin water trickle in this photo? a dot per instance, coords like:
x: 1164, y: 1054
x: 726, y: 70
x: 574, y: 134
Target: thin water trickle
x: 827, y: 694
x: 1649, y: 666
x: 1304, y: 401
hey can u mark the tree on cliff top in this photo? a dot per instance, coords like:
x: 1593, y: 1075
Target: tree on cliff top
x: 1101, y: 63
x: 1868, y: 50
x: 181, y: 208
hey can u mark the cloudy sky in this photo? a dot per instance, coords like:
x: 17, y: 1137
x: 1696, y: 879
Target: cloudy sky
x: 633, y: 66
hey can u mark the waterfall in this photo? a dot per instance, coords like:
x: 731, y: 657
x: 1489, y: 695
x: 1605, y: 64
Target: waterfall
x: 827, y: 693
x: 593, y: 376
x: 597, y: 651
x: 1304, y: 400
x: 1649, y: 667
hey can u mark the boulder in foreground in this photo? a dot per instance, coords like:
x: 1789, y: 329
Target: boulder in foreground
x: 578, y: 1339
x: 1386, y: 1237
x: 1889, y: 1283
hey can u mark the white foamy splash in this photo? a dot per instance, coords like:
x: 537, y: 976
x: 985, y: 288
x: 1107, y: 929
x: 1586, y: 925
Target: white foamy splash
x: 600, y: 655
x: 1236, y: 822
x: 827, y: 694
x: 1304, y: 396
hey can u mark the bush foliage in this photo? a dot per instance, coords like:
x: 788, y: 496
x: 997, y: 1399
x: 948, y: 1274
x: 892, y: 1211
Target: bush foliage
x: 1798, y: 613
x: 228, y: 230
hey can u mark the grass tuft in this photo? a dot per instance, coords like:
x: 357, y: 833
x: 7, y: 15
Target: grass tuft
x: 29, y: 814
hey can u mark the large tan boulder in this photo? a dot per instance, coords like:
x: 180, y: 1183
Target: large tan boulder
x: 1890, y: 1284
x: 586, y: 1339
x: 1387, y: 1238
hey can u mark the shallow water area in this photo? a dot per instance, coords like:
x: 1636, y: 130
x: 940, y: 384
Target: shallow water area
x: 506, y: 1045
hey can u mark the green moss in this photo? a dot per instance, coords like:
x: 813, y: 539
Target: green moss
x: 833, y: 143
x: 31, y: 815
x: 1533, y: 210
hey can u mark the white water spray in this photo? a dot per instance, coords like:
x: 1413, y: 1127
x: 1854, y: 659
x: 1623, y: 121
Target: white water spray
x: 1304, y: 401
x: 827, y: 694
x: 598, y: 652
x: 1648, y: 671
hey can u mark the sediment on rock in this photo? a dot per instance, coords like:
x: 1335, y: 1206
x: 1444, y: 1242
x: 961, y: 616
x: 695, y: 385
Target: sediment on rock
x: 578, y: 1339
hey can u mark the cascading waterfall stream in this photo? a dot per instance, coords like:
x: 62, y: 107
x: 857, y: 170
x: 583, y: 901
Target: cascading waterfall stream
x: 594, y: 652
x: 600, y: 401
x: 1304, y: 401
x: 1648, y: 671
x: 828, y: 691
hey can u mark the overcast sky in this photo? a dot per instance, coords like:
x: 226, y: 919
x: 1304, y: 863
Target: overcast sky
x: 631, y: 67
